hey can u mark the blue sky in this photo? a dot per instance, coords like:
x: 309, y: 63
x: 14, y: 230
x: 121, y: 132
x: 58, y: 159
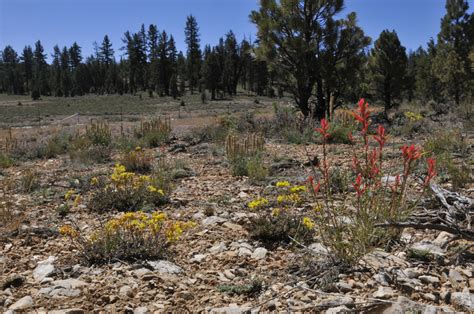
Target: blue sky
x: 64, y: 21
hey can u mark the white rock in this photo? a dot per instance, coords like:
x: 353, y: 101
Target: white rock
x: 463, y: 300
x: 198, y: 258
x: 126, y: 291
x: 213, y: 220
x: 429, y: 279
x: 243, y: 251
x: 44, y: 269
x: 165, y: 267
x: 259, y: 253
x: 384, y: 293
x: 70, y: 283
x: 140, y: 310
x: 219, y: 248
x: 22, y: 304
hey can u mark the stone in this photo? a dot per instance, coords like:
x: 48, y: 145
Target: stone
x: 22, y: 304
x: 198, y: 258
x: 259, y: 253
x: 430, y: 297
x: 429, y: 247
x: 338, y: 309
x: 383, y: 279
x: 336, y: 301
x: 218, y: 248
x: 126, y: 291
x: 68, y: 311
x: 463, y: 301
x: 140, y: 310
x: 405, y: 305
x: 384, y: 293
x: 70, y: 283
x: 343, y: 286
x: 165, y: 267
x: 243, y: 251
x: 429, y: 279
x: 443, y: 239
x: 231, y: 309
x: 455, y: 277
x: 318, y: 248
x: 44, y: 269
x: 213, y: 220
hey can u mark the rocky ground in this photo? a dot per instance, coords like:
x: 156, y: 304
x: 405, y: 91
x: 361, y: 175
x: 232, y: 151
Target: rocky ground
x: 40, y: 270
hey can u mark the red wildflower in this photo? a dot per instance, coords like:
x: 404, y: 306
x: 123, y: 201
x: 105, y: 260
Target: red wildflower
x: 323, y: 130
x: 362, y: 114
x: 395, y: 186
x: 358, y: 186
x: 317, y: 187
x: 431, y: 170
x: 381, y: 137
x: 411, y: 153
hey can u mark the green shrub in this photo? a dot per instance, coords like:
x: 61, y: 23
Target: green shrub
x: 137, y: 160
x: 130, y: 237
x: 154, y: 132
x: 127, y: 191
x: 29, y: 181
x: 256, y: 169
x: 5, y: 161
x: 99, y: 133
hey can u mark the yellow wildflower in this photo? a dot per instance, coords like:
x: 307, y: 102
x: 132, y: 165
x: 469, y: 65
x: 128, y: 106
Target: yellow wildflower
x: 308, y: 222
x: 260, y: 202
x: 283, y: 184
x: 68, y: 195
x: 94, y: 181
x: 77, y: 200
x: 69, y: 231
x: 298, y: 189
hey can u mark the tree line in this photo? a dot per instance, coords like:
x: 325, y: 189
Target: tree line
x: 303, y: 48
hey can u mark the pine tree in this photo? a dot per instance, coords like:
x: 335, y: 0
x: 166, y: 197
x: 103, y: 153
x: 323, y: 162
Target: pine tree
x: 65, y: 73
x: 106, y: 52
x: 153, y: 56
x: 55, y: 79
x: 452, y: 65
x: 211, y: 70
x: 292, y: 36
x: 27, y: 66
x: 193, y: 53
x: 40, y: 70
x: 11, y: 78
x: 388, y: 67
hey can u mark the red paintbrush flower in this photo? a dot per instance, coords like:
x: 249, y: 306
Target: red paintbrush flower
x: 323, y: 130
x: 431, y: 170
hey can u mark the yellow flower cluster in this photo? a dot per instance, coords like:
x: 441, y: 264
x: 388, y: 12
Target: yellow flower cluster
x: 94, y: 181
x: 258, y: 203
x: 68, y: 231
x: 413, y: 116
x: 153, y: 189
x: 308, y: 223
x: 298, y: 189
x: 123, y: 180
x: 68, y: 195
x: 140, y: 222
x: 283, y: 184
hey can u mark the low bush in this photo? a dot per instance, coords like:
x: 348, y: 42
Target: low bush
x: 29, y: 181
x: 154, y: 132
x: 9, y: 220
x: 99, y: 133
x: 277, y: 221
x: 245, y: 155
x: 137, y: 160
x: 133, y: 236
x: 5, y: 161
x: 128, y: 191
